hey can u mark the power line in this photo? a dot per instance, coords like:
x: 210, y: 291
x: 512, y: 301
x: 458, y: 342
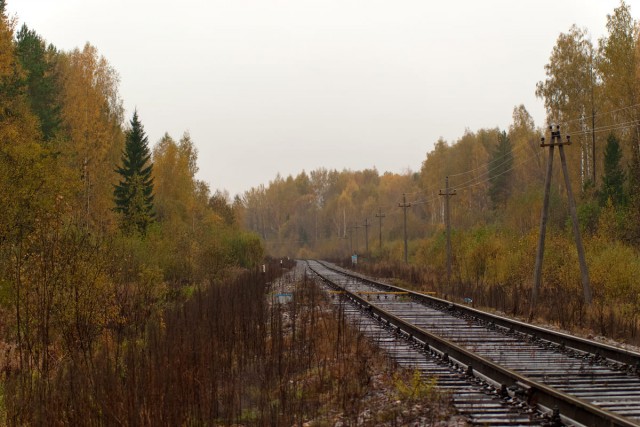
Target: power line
x: 478, y: 180
x: 488, y: 171
x: 475, y: 181
x: 609, y: 128
x: 566, y: 122
x: 522, y: 162
x: 513, y: 152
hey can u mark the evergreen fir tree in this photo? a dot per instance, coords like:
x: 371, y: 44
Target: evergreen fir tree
x: 500, y: 171
x: 134, y: 194
x: 614, y: 176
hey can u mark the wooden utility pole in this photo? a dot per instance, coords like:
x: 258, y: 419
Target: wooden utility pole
x: 447, y: 219
x: 355, y: 227
x: 345, y: 241
x: 593, y: 139
x: 380, y: 215
x: 556, y: 141
x: 593, y: 119
x: 366, y: 226
x: 404, y: 205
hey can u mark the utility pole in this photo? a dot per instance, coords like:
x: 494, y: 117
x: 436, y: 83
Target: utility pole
x: 380, y: 215
x: 350, y: 239
x: 447, y: 194
x: 537, y: 274
x: 344, y: 221
x: 366, y: 226
x: 404, y: 205
x: 345, y: 241
x: 355, y: 227
x: 593, y: 120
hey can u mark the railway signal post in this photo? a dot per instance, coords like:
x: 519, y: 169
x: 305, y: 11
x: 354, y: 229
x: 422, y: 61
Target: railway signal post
x: 556, y: 141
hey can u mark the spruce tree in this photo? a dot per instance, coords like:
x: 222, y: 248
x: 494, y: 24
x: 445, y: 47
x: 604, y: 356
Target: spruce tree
x: 614, y: 176
x: 134, y: 194
x: 39, y: 65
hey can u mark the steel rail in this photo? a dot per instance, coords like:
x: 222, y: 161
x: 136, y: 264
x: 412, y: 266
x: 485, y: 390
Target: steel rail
x: 537, y: 393
x: 616, y: 354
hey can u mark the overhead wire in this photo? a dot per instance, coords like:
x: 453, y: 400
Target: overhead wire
x: 609, y: 128
x: 426, y: 201
x: 520, y: 163
x: 565, y: 124
x: 496, y: 163
x: 486, y: 164
x: 488, y: 171
x: 488, y: 167
x: 579, y: 119
x: 478, y: 180
x: 473, y: 182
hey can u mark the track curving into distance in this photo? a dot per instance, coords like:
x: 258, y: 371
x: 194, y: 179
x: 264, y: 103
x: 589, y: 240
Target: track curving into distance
x: 590, y: 383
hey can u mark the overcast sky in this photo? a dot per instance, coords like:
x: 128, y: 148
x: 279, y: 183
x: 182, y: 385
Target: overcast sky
x: 280, y: 86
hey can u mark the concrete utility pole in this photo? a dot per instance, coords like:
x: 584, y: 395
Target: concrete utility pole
x: 537, y: 274
x: 404, y: 205
x: 447, y: 193
x: 366, y: 226
x: 380, y: 215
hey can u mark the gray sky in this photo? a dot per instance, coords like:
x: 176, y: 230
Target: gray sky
x: 278, y: 86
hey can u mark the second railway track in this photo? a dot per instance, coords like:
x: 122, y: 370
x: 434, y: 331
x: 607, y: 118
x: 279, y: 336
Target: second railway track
x: 592, y: 384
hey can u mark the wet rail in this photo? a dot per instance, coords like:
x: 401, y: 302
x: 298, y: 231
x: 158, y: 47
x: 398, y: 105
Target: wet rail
x: 473, y: 397
x: 589, y: 383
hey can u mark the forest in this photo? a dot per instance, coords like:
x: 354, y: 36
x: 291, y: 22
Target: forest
x: 592, y: 92
x: 98, y: 232
x: 104, y: 238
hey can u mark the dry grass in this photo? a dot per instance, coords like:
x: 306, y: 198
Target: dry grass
x: 226, y: 356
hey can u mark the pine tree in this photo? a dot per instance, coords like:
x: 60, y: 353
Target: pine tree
x: 500, y: 171
x: 614, y: 176
x: 134, y: 194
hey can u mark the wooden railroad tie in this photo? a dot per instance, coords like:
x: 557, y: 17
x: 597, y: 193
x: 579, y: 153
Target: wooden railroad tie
x: 372, y: 293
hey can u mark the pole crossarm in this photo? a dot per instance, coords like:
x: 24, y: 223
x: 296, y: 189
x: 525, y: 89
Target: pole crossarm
x: 556, y: 140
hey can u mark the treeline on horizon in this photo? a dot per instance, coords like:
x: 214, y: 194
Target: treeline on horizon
x: 592, y: 91
x: 75, y: 280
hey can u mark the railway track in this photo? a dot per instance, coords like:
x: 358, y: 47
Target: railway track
x: 480, y: 404
x: 537, y: 369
